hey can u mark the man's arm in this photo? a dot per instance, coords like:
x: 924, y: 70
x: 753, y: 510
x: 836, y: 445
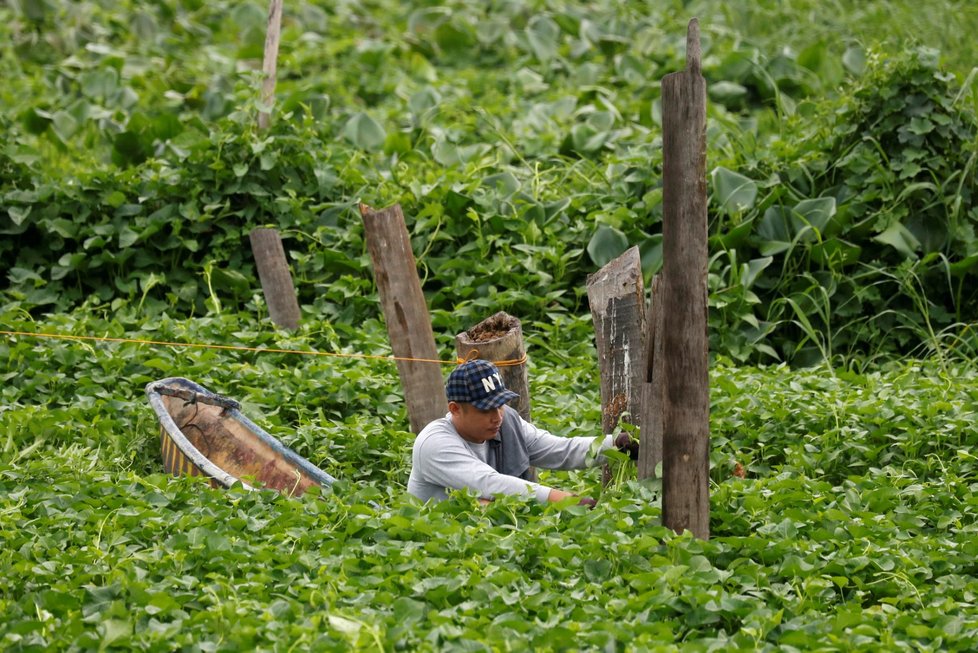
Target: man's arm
x: 553, y: 452
x: 444, y: 460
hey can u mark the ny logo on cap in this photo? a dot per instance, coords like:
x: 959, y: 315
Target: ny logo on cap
x: 488, y: 384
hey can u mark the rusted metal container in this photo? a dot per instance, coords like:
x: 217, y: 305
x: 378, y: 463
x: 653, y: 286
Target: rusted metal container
x: 205, y: 434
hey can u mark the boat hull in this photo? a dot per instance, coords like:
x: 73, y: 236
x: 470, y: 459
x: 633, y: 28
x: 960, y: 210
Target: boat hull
x: 205, y: 434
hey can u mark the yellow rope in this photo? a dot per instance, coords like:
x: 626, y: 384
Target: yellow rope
x: 458, y: 361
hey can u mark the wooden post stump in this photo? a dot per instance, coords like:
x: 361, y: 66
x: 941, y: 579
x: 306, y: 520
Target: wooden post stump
x: 406, y: 314
x: 650, y: 420
x: 499, y: 339
x: 276, y: 280
x: 686, y: 406
x: 617, y: 296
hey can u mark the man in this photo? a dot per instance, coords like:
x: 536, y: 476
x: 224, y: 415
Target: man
x: 485, y: 446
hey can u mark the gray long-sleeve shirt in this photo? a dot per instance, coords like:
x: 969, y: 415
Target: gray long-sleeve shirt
x: 441, y: 461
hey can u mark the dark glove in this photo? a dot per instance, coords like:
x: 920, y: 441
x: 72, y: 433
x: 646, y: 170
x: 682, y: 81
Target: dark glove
x: 626, y: 445
x: 587, y: 501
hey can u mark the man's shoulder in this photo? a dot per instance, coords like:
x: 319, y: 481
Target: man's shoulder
x: 435, y: 426
x: 512, y: 416
x: 513, y: 422
x: 435, y: 430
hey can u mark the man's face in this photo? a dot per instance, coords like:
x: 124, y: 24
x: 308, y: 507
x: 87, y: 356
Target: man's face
x: 473, y: 424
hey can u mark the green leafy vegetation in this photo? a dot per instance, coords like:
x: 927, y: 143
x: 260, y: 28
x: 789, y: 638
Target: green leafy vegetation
x: 524, y: 146
x: 854, y: 520
x: 523, y: 141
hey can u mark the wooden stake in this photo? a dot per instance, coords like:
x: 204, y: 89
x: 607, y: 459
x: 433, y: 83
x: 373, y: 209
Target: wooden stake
x: 499, y: 339
x: 650, y: 451
x: 617, y: 297
x: 270, y: 63
x: 406, y: 314
x: 686, y: 410
x: 276, y: 280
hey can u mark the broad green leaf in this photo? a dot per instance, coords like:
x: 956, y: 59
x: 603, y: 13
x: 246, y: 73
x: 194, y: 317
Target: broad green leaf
x: 128, y: 210
x: 503, y: 183
x: 248, y: 16
x: 735, y: 237
x: 530, y: 81
x: 854, y: 60
x: 408, y: 611
x: 364, y: 132
x: 452, y: 154
x: 114, y: 631
x: 399, y: 142
x: 726, y: 92
x: 64, y: 125
x: 345, y: 625
x: 130, y: 148
x: 230, y: 279
x: 920, y: 125
x: 606, y: 244
x: 152, y: 280
x: 455, y: 36
x: 115, y: 199
x: 543, y: 35
x: 965, y: 265
x: 127, y: 237
x: 651, y: 255
x: 597, y: 571
x: 18, y: 213
x: 735, y: 193
x: 425, y: 21
x: 752, y: 269
x: 816, y: 212
x: 100, y: 83
x: 425, y: 99
x: 268, y: 160
x: 899, y: 238
x: 585, y: 139
x: 774, y: 231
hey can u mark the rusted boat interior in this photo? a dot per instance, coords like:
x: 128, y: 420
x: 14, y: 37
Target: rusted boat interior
x: 233, y: 447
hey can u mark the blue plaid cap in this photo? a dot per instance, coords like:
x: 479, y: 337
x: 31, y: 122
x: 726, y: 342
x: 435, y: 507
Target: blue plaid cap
x: 479, y: 383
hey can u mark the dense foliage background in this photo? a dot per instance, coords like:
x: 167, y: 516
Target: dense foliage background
x: 523, y: 141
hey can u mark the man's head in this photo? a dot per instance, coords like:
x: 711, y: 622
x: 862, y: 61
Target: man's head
x: 479, y: 383
x: 476, y: 396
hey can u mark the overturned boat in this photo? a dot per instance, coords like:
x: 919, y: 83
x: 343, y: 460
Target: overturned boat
x: 205, y: 434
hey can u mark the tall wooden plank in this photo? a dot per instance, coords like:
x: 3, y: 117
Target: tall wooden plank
x: 499, y: 339
x: 616, y: 294
x: 270, y: 62
x: 686, y: 409
x: 406, y: 314
x: 276, y: 280
x: 650, y: 450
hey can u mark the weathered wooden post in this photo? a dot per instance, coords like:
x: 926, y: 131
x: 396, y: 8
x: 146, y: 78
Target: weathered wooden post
x: 276, y: 280
x: 266, y: 245
x: 499, y: 339
x: 686, y: 403
x: 650, y: 420
x: 406, y: 314
x: 270, y: 63
x: 617, y: 296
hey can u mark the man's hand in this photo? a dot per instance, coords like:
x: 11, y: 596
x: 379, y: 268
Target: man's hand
x: 560, y: 495
x: 625, y: 444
